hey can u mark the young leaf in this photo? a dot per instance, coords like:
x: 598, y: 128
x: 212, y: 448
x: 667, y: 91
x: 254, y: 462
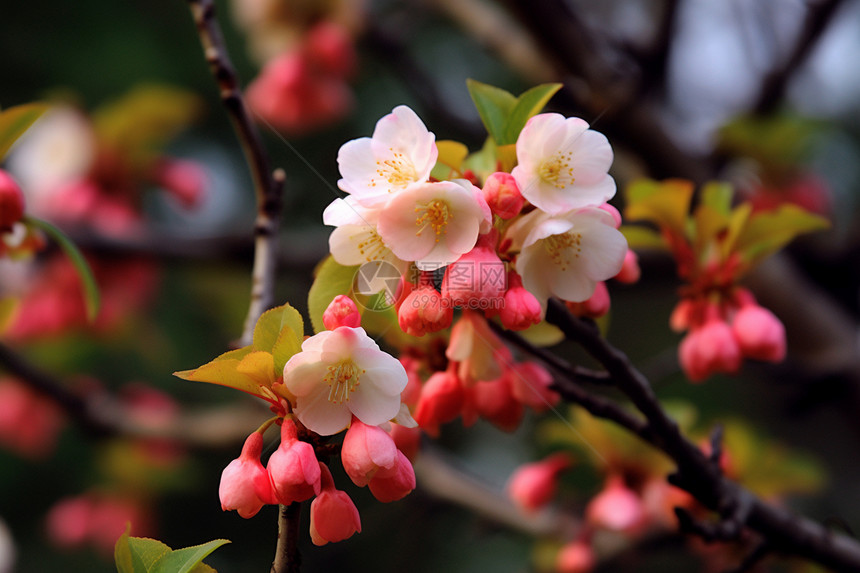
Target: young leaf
x: 331, y: 280
x: 146, y: 552
x: 451, y: 156
x: 15, y: 121
x: 241, y: 369
x: 666, y: 203
x: 639, y: 237
x: 185, y: 560
x: 91, y: 289
x: 529, y: 103
x: 494, y: 105
x: 8, y: 305
x: 718, y: 196
x: 768, y: 232
x: 272, y: 322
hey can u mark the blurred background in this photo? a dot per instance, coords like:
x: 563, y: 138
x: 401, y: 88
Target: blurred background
x: 138, y: 163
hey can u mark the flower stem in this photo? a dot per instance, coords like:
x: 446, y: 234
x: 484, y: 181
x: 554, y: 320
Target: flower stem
x: 287, y: 558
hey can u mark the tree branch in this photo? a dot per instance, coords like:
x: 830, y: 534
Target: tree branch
x: 268, y: 187
x: 782, y: 530
x: 287, y: 556
x: 818, y: 17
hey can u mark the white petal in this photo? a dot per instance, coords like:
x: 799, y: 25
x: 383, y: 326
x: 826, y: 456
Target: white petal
x: 372, y: 406
x: 381, y: 370
x: 404, y: 417
x: 320, y: 415
x: 304, y: 372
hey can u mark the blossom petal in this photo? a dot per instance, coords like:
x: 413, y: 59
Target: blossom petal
x: 372, y: 406
x: 321, y: 415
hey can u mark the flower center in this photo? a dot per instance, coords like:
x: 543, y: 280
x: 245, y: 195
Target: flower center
x: 342, y: 379
x: 372, y: 248
x: 398, y: 170
x: 557, y: 170
x: 561, y: 247
x: 435, y: 215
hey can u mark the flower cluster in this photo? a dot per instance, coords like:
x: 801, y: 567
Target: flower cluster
x: 496, y: 249
x: 714, y: 247
x: 333, y: 381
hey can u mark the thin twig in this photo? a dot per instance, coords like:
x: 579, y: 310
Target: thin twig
x: 268, y: 187
x: 818, y: 18
x: 103, y: 415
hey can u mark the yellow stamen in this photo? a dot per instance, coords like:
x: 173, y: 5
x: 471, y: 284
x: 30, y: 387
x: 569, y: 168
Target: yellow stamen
x: 561, y: 247
x: 557, y: 170
x: 372, y: 248
x: 398, y: 170
x: 435, y: 215
x: 343, y: 379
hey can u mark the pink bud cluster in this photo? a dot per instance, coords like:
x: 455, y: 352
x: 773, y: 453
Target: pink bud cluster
x: 293, y: 473
x: 722, y: 334
x: 481, y: 380
x: 306, y: 87
x: 626, y: 504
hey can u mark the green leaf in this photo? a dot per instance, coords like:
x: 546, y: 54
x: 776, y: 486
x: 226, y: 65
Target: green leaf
x: 331, y: 280
x: 285, y: 347
x: 529, y: 103
x: 768, y: 232
x: 15, y: 121
x: 494, y: 105
x: 665, y: 203
x: 122, y: 553
x: 91, y: 289
x: 639, y: 237
x: 450, y: 160
x: 185, y: 560
x: 270, y: 325
x: 718, y: 196
x: 241, y: 369
x: 483, y: 162
x: 146, y: 552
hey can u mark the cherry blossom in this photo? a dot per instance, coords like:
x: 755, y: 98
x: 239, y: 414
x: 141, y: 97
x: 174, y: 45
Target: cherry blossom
x: 567, y: 255
x: 400, y: 153
x: 434, y: 224
x: 340, y: 373
x: 563, y: 165
x: 356, y: 240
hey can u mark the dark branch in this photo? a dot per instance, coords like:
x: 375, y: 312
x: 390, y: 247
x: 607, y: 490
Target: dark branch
x: 819, y: 16
x: 783, y: 531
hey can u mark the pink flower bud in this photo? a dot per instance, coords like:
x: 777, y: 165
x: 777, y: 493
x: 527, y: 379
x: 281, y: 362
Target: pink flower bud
x: 494, y: 401
x: 11, y: 202
x: 477, y: 279
x: 293, y: 468
x: 709, y: 349
x: 521, y: 309
x: 533, y: 485
x: 503, y: 195
x: 682, y: 315
x: 595, y: 306
x: 424, y: 310
x: 341, y: 311
x: 243, y: 478
x: 616, y: 216
x: 440, y: 402
x: 407, y: 440
x: 186, y: 180
x: 759, y: 333
x: 329, y: 48
x: 366, y: 450
x: 334, y: 516
x: 575, y: 557
x: 615, y: 508
x: 395, y: 483
x: 530, y: 384
x: 630, y: 271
